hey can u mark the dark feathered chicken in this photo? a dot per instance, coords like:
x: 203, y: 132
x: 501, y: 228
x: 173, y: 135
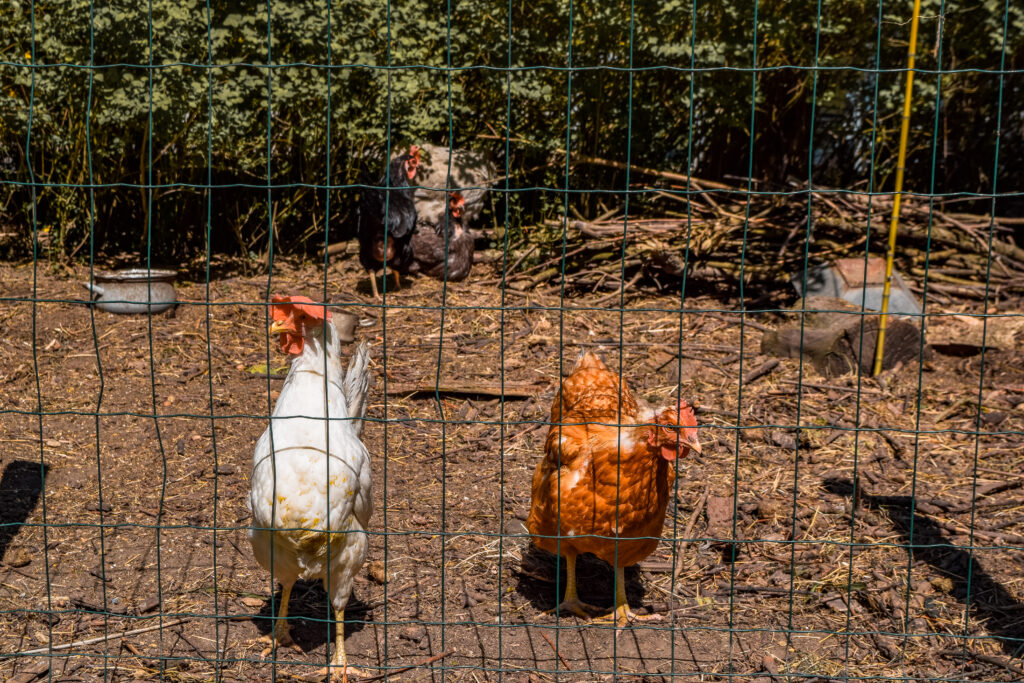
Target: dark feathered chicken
x: 376, y: 252
x: 428, y: 244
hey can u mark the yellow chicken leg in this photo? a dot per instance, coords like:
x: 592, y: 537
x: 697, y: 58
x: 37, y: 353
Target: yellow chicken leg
x: 339, y: 668
x: 572, y: 602
x: 373, y: 284
x: 622, y: 615
x: 281, y: 633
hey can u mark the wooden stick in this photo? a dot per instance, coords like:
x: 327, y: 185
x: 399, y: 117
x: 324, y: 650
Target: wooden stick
x: 748, y: 323
x: 336, y: 248
x: 835, y: 387
x: 615, y: 294
x: 555, y: 650
x: 511, y: 390
x: 91, y: 641
x: 764, y: 369
x: 522, y: 257
x: 698, y: 183
x: 428, y: 660
x: 595, y: 161
x: 988, y: 659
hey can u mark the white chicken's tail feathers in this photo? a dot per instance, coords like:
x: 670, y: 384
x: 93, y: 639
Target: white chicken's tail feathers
x: 357, y: 386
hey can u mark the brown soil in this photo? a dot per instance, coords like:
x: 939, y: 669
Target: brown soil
x: 820, y: 587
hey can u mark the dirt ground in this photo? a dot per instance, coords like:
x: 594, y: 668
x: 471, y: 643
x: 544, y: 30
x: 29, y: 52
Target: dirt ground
x: 147, y: 428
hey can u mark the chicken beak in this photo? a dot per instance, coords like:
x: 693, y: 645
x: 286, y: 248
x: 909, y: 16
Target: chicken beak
x: 693, y: 444
x: 281, y: 327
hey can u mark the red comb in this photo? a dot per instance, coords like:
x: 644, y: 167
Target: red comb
x: 687, y: 418
x: 302, y: 303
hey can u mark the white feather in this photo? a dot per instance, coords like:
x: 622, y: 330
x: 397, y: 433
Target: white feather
x: 311, y: 472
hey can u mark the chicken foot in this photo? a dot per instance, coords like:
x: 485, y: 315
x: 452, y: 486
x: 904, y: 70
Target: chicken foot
x: 339, y: 670
x: 572, y: 602
x: 386, y: 272
x: 281, y: 633
x: 622, y: 615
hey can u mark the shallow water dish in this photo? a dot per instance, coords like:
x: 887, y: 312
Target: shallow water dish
x: 133, y: 290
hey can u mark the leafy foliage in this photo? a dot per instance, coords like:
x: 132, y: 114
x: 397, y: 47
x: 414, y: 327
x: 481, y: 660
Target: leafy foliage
x: 181, y: 118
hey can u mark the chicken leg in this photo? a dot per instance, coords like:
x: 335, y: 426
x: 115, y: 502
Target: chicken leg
x: 572, y: 602
x: 622, y: 615
x: 339, y: 668
x: 373, y: 284
x: 373, y: 281
x: 281, y: 633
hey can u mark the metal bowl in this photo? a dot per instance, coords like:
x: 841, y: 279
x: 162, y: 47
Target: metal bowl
x: 345, y: 322
x: 133, y: 290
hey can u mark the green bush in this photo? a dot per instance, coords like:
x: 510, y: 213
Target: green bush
x: 190, y: 141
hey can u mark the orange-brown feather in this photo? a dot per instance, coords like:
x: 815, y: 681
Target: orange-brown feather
x: 599, y: 479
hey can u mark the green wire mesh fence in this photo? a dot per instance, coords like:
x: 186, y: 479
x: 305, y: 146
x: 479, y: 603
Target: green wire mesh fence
x: 656, y: 179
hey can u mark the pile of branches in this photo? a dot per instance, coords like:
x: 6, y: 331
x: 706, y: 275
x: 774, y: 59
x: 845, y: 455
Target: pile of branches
x: 720, y: 233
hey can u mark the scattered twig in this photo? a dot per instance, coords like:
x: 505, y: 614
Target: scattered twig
x: 833, y: 387
x: 774, y: 590
x: 555, y: 650
x: 988, y: 659
x: 747, y: 323
x: 686, y: 532
x: 522, y: 257
x: 510, y: 390
x: 761, y: 371
x: 31, y: 672
x: 625, y: 287
x: 370, y: 606
x: 90, y: 641
x: 423, y: 662
x: 998, y: 487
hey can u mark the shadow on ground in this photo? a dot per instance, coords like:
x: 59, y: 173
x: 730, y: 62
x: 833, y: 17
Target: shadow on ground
x: 991, y: 602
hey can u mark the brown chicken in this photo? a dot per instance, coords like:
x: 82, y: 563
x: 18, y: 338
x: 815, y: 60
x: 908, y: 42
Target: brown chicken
x: 601, y: 480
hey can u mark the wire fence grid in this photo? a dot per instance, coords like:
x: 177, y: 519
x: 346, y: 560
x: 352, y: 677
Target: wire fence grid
x: 833, y: 528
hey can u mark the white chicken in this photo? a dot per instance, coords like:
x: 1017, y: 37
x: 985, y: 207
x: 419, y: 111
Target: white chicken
x: 311, y: 492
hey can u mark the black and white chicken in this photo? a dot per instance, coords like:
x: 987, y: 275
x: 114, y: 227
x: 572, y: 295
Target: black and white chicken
x: 447, y: 236
x: 387, y: 219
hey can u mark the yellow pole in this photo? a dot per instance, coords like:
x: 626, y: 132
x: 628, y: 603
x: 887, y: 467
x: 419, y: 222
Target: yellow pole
x: 900, y: 165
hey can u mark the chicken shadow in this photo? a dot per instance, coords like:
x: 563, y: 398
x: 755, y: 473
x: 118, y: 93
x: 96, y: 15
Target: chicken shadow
x: 595, y: 581
x: 20, y: 488
x: 309, y: 612
x: 991, y: 602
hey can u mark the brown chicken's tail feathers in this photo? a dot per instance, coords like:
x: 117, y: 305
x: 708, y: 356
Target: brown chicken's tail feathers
x: 357, y: 386
x: 589, y: 360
